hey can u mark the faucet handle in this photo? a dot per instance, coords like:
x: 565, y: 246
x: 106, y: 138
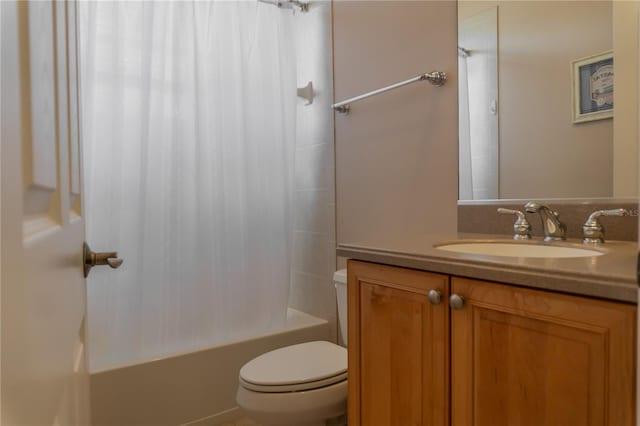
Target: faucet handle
x: 593, y: 231
x: 521, y: 228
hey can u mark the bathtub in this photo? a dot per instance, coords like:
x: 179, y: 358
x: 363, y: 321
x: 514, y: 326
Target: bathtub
x: 194, y: 389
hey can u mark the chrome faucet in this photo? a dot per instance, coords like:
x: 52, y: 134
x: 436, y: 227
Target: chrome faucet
x: 521, y: 227
x: 554, y: 230
x: 593, y: 231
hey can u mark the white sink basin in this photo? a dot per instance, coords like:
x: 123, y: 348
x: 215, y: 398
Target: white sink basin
x: 517, y: 249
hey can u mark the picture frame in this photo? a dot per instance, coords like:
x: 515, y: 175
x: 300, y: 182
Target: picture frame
x: 592, y: 87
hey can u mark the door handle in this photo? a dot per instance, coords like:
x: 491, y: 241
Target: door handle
x: 91, y: 259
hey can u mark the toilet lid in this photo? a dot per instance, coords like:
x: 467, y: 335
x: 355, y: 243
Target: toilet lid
x: 299, y: 367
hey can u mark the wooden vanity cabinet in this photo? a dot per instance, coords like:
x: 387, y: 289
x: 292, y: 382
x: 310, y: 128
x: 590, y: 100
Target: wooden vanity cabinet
x: 515, y: 356
x: 398, y: 347
x: 529, y: 357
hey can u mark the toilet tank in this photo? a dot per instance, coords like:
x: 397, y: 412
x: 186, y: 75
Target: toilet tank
x: 340, y: 282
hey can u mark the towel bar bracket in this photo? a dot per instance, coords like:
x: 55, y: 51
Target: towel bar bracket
x: 437, y: 78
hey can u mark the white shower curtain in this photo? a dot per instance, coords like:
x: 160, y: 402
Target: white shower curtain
x: 188, y: 122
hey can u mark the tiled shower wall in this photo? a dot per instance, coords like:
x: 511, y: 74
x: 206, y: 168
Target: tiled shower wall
x: 314, y: 237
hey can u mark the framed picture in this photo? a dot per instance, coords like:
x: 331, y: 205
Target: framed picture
x: 592, y: 87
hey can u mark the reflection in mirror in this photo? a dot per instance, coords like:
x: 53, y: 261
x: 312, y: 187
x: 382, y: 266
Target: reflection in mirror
x: 518, y: 138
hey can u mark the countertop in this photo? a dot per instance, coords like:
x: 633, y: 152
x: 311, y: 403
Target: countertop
x: 609, y: 276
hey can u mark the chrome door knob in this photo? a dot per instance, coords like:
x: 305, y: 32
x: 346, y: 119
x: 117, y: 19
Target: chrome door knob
x: 91, y: 259
x: 456, y: 301
x: 435, y: 297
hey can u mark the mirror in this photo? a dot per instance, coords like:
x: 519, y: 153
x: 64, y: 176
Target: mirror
x: 519, y: 135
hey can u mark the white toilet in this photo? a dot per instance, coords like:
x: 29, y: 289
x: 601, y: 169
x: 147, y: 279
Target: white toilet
x: 299, y: 385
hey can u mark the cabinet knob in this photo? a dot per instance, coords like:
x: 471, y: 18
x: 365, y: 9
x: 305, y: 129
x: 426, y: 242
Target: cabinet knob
x: 456, y: 301
x: 435, y: 297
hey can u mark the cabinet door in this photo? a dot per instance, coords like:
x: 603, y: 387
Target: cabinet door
x: 398, y: 347
x: 529, y: 357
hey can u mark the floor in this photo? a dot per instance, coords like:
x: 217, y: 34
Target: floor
x: 241, y: 422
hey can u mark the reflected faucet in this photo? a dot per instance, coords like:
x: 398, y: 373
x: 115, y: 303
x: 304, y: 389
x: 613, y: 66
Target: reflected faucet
x: 554, y: 230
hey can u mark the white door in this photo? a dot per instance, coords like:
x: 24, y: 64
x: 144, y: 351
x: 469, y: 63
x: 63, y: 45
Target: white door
x: 44, y: 374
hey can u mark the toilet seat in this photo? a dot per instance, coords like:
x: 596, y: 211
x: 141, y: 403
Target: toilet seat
x: 295, y: 387
x: 301, y: 367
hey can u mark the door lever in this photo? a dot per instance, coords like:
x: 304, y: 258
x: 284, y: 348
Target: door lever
x: 91, y: 259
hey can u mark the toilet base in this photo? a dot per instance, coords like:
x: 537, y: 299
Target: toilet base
x: 317, y: 407
x: 336, y: 421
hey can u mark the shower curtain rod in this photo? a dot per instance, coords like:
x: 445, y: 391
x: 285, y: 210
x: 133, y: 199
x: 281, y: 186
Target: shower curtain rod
x: 288, y: 4
x: 437, y: 78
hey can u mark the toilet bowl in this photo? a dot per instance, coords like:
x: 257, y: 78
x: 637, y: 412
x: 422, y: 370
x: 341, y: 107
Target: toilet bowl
x: 298, y: 385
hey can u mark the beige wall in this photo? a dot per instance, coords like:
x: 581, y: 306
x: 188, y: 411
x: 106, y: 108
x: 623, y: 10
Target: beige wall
x: 396, y: 153
x: 543, y: 154
x: 625, y: 128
